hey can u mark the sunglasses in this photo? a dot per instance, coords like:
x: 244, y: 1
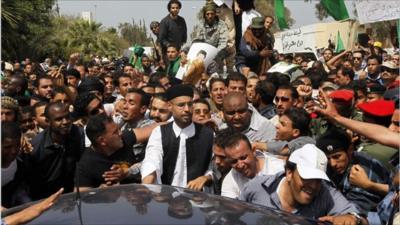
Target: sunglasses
x: 283, y: 99
x: 356, y: 58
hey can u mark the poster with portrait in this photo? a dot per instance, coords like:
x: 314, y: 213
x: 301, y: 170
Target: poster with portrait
x: 199, y: 53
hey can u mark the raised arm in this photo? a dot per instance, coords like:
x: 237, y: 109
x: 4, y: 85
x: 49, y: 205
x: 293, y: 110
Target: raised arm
x: 380, y: 134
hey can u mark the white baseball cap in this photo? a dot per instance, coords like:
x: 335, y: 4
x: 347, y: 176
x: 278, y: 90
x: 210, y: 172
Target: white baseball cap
x: 311, y: 162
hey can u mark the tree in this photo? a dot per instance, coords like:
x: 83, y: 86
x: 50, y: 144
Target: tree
x: 90, y: 38
x: 134, y: 33
x: 24, y: 22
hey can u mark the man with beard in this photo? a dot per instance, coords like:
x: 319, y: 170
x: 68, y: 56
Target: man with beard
x: 172, y: 27
x: 179, y: 151
x: 56, y: 150
x: 43, y: 89
x: 159, y: 111
x: 285, y: 97
x: 256, y: 49
x: 213, y: 31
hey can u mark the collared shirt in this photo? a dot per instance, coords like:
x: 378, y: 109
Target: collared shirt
x: 375, y: 171
x: 51, y: 165
x: 275, y: 120
x: 235, y: 181
x: 153, y: 160
x: 329, y: 201
x: 268, y: 111
x: 378, y: 79
x: 260, y: 129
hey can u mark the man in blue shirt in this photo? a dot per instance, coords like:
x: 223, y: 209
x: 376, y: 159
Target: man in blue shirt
x: 302, y: 190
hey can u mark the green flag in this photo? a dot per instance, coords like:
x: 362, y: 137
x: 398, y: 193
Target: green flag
x: 339, y: 43
x: 336, y: 8
x: 280, y: 14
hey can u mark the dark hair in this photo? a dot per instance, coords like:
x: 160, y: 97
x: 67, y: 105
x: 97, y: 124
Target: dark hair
x: 347, y: 72
x: 360, y: 85
x: 202, y: 101
x: 103, y: 77
x: 278, y: 79
x: 246, y: 5
x: 316, y: 77
x: 328, y: 49
x: 361, y: 52
x: 300, y: 119
x: 216, y: 79
x: 173, y: 45
x: 118, y: 76
x: 41, y: 77
x: 173, y: 2
x: 37, y: 105
x: 23, y: 82
x: 160, y: 96
x: 234, y: 138
x: 25, y: 110
x: 222, y: 135
x: 155, y: 77
x: 10, y: 130
x: 144, y: 97
x: 91, y: 84
x: 293, y: 91
x: 236, y: 76
x: 96, y: 126
x: 59, y: 90
x: 81, y: 103
x: 267, y: 91
x: 290, y: 165
x: 154, y: 24
x: 379, y: 59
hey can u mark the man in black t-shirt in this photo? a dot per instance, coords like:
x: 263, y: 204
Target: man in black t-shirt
x: 111, y: 151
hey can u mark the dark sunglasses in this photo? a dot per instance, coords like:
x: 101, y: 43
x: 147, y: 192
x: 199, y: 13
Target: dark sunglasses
x: 283, y: 99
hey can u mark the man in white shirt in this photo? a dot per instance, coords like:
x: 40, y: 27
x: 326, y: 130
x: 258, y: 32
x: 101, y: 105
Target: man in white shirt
x: 179, y: 151
x: 246, y: 164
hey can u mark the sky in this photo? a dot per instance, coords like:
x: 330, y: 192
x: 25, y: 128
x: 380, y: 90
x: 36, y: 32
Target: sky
x: 112, y: 12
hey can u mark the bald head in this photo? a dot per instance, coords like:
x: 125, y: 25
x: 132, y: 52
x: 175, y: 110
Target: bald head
x: 55, y: 107
x: 234, y: 97
x: 236, y: 111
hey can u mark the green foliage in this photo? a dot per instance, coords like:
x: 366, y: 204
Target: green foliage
x: 135, y: 33
x: 33, y: 29
x: 24, y: 22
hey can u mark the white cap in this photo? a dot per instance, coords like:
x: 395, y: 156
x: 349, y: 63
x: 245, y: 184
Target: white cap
x: 310, y: 161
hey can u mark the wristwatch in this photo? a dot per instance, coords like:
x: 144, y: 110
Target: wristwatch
x: 358, y: 217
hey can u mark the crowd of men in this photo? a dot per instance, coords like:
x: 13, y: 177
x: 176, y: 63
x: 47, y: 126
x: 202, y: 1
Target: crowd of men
x: 322, y: 143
